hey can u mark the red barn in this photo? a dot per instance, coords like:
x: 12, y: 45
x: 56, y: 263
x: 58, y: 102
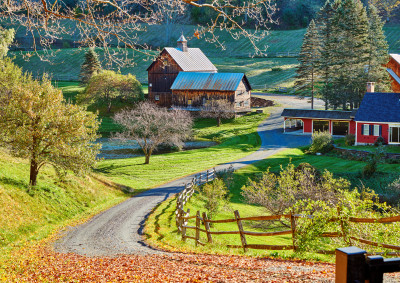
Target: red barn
x: 393, y: 67
x: 164, y: 70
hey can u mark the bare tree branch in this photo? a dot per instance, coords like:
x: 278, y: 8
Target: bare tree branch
x: 112, y: 23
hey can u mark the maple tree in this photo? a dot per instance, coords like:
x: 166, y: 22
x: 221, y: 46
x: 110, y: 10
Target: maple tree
x: 36, y: 123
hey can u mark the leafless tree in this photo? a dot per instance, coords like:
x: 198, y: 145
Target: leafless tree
x: 151, y: 126
x: 218, y: 109
x: 106, y: 23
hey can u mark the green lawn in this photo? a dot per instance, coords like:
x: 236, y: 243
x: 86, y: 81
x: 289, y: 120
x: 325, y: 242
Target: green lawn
x: 370, y: 148
x: 161, y: 229
x: 237, y: 137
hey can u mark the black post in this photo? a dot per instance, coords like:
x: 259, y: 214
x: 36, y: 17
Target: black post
x: 350, y: 265
x: 375, y: 264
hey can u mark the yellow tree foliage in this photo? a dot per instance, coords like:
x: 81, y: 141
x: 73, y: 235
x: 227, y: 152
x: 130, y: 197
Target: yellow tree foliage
x: 36, y: 123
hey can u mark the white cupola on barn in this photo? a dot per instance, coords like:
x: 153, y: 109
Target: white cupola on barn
x: 182, y: 43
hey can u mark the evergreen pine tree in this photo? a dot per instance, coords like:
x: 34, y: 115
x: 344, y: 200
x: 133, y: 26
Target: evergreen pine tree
x: 378, y: 55
x: 90, y: 66
x: 324, y: 25
x: 350, y: 55
x: 307, y: 72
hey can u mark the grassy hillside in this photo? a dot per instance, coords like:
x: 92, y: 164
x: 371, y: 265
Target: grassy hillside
x: 263, y: 73
x: 31, y: 216
x: 66, y: 66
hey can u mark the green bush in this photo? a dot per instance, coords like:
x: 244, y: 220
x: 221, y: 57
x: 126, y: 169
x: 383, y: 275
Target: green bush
x: 350, y: 139
x: 379, y: 141
x: 215, y: 195
x: 369, y: 169
x: 321, y: 142
x: 373, y: 160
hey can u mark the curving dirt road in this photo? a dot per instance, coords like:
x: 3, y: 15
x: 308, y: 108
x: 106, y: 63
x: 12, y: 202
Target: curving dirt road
x: 119, y: 230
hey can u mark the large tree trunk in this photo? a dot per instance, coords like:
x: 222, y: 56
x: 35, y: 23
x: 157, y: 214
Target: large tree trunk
x: 33, y: 174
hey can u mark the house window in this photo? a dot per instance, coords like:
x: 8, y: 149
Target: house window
x: 157, y: 97
x: 377, y: 131
x: 365, y: 130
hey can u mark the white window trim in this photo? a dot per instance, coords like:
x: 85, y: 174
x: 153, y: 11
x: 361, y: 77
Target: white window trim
x: 376, y: 130
x: 365, y: 130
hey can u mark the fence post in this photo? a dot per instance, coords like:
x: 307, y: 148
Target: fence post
x: 350, y: 265
x: 185, y: 221
x: 347, y: 241
x: 207, y: 176
x: 293, y: 228
x: 197, y: 227
x: 207, y: 226
x: 240, y: 226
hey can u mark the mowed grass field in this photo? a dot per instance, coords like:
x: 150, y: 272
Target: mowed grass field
x: 236, y: 56
x: 65, y: 66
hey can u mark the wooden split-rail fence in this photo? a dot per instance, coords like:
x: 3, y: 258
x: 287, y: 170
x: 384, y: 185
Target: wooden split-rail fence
x: 203, y: 224
x: 185, y: 195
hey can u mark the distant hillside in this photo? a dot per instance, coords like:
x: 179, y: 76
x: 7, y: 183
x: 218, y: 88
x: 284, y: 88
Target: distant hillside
x: 276, y: 70
x: 32, y: 216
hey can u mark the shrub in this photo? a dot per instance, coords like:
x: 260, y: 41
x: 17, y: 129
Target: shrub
x: 369, y: 169
x: 278, y: 193
x: 276, y: 69
x: 215, y: 194
x: 379, y: 141
x: 321, y: 142
x: 373, y: 160
x: 350, y: 139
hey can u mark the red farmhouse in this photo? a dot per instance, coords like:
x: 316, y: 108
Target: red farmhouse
x: 378, y: 115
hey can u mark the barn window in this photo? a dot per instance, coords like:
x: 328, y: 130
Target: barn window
x: 157, y: 97
x: 377, y: 130
x: 366, y: 130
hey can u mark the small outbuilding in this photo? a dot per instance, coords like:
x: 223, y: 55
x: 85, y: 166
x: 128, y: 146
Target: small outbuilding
x: 193, y: 90
x: 309, y: 120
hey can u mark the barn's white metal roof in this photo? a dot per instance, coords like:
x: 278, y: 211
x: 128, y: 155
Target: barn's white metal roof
x: 396, y: 57
x: 208, y: 81
x: 193, y: 60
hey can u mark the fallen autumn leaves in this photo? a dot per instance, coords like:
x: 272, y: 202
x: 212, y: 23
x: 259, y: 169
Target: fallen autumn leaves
x: 48, y: 266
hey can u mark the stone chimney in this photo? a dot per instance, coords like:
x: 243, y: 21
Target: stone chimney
x: 370, y: 87
x: 182, y: 44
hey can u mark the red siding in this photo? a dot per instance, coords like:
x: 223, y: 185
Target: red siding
x: 371, y: 139
x: 307, y: 126
x: 352, y: 127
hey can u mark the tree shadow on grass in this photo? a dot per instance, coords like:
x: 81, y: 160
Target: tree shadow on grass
x: 14, y: 182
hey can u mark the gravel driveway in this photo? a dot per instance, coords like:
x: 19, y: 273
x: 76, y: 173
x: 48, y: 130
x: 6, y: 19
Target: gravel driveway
x: 119, y: 230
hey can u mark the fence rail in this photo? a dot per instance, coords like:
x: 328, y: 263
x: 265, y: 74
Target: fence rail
x: 203, y: 226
